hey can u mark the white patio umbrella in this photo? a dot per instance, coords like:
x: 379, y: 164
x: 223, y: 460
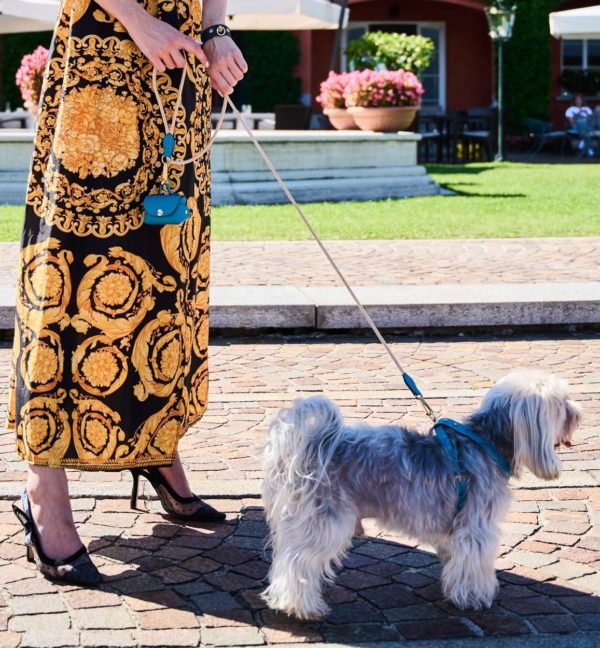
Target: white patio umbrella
x: 284, y: 14
x: 34, y: 15
x: 576, y: 23
x: 27, y: 15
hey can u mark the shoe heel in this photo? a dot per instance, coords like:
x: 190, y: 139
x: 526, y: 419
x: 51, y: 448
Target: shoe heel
x: 30, y: 557
x: 134, y: 490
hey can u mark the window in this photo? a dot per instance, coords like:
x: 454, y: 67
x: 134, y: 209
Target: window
x: 580, y: 55
x: 434, y: 77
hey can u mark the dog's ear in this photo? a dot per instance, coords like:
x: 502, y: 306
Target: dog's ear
x: 534, y: 434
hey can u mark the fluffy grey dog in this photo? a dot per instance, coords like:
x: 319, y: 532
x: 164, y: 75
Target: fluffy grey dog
x: 323, y: 476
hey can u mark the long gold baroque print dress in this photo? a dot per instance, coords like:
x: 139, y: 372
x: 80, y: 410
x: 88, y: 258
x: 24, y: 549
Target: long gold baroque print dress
x: 111, y: 333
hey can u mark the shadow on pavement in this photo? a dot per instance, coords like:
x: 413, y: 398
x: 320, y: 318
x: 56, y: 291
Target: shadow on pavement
x: 385, y: 591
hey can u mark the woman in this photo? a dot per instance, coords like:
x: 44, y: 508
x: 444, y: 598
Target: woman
x: 111, y: 332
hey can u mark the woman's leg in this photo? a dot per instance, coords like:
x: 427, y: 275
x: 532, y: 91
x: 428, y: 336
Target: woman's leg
x: 48, y: 492
x: 177, y: 478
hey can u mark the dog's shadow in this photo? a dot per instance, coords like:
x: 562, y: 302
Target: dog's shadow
x: 385, y: 591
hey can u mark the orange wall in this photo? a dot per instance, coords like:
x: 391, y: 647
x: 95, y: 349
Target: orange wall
x: 469, y: 77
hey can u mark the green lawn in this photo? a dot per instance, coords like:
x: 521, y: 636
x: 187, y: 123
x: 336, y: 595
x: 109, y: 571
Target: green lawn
x: 490, y: 201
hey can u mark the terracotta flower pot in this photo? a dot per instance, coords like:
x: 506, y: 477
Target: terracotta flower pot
x: 383, y: 120
x: 340, y: 118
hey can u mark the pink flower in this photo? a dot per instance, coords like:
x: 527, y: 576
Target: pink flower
x: 30, y: 74
x: 382, y: 87
x: 332, y: 90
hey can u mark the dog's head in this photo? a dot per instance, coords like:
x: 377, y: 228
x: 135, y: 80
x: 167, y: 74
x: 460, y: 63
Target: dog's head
x: 542, y: 417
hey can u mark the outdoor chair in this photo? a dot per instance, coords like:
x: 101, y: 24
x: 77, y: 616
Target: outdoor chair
x: 541, y: 133
x: 292, y: 117
x: 453, y: 144
x: 478, y: 133
x: 582, y: 131
x: 427, y: 127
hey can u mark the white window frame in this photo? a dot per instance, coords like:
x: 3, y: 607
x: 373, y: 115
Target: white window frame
x: 584, y: 54
x: 440, y: 26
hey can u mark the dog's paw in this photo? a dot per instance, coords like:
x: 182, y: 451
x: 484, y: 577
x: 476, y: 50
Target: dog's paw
x: 298, y: 609
x: 472, y: 602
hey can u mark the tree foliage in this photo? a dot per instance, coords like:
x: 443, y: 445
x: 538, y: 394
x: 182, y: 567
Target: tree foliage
x: 390, y: 51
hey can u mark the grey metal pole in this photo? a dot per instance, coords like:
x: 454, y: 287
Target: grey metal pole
x: 499, y: 154
x: 335, y: 52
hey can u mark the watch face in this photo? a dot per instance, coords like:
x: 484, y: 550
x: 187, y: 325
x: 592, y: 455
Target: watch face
x: 221, y: 30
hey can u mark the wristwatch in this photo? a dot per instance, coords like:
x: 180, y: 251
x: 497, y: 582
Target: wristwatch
x: 214, y: 30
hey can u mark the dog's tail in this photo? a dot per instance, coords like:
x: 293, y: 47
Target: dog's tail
x: 302, y: 440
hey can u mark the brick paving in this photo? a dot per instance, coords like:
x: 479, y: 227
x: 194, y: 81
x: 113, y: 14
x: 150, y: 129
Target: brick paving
x: 392, y: 262
x: 168, y: 584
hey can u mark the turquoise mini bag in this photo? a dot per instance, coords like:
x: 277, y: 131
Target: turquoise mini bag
x: 167, y: 207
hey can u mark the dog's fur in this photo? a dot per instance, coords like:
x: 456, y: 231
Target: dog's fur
x: 323, y: 476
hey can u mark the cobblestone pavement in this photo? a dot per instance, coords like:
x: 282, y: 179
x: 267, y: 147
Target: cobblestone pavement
x: 390, y: 262
x: 167, y: 584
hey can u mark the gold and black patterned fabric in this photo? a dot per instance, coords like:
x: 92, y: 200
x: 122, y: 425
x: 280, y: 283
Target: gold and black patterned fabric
x: 111, y: 333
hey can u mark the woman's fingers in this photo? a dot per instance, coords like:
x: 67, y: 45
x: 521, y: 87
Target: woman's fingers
x: 195, y: 48
x: 177, y: 58
x: 227, y: 64
x: 230, y: 78
x: 240, y: 61
x: 222, y: 85
x: 234, y: 70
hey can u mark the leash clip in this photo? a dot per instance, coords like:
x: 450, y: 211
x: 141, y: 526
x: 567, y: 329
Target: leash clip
x: 428, y: 409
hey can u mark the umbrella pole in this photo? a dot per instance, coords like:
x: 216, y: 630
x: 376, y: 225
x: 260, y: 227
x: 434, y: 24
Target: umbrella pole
x: 335, y: 54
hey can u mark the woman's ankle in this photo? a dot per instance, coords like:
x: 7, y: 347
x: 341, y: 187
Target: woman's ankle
x: 175, y: 475
x: 48, y: 493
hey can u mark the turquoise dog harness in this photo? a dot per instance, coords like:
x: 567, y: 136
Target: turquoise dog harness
x: 444, y: 430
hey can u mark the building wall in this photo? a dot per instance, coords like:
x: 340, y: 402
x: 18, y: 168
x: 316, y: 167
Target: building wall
x: 469, y: 53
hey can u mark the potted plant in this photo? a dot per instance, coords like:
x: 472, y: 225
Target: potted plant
x: 383, y: 100
x: 29, y: 78
x: 333, y: 103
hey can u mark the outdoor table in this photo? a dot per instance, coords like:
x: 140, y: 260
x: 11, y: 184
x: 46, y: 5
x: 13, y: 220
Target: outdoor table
x: 21, y: 116
x: 253, y: 119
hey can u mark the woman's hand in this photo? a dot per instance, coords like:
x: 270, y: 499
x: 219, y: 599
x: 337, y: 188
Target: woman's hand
x: 226, y: 64
x: 162, y: 43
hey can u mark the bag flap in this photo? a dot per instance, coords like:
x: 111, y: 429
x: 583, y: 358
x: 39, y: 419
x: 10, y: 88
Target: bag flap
x: 165, y: 204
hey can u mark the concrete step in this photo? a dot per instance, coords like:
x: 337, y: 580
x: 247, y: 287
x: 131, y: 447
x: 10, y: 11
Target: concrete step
x: 392, y: 307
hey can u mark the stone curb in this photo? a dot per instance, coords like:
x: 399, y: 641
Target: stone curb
x: 392, y: 307
x: 570, y: 640
x: 209, y: 488
x: 242, y: 488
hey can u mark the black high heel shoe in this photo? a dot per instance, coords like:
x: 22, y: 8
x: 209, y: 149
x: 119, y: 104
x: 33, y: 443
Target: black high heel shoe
x: 191, y: 509
x: 77, y: 569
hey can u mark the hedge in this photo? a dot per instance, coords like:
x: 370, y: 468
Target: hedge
x: 527, y: 64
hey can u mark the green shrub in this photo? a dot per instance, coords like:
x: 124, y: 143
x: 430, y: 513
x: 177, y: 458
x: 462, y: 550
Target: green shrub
x: 272, y: 57
x: 390, y: 51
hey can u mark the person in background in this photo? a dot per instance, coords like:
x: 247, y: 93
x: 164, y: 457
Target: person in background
x: 579, y: 118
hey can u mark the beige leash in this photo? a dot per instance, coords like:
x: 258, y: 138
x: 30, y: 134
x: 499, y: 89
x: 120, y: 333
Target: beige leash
x: 226, y: 100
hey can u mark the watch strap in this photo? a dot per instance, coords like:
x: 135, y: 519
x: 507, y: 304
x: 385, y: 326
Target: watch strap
x: 215, y: 30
